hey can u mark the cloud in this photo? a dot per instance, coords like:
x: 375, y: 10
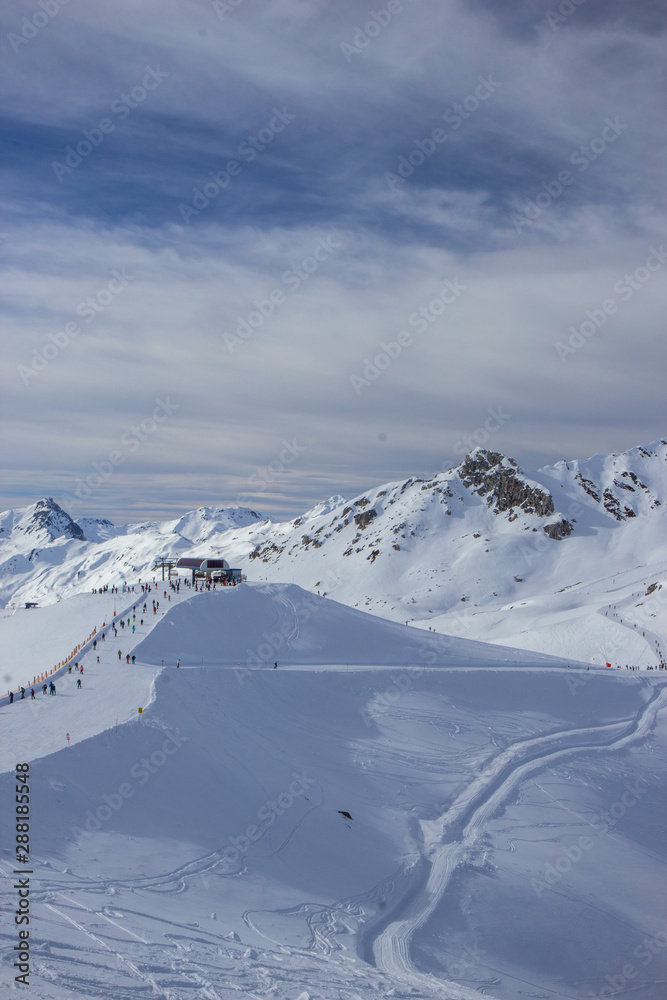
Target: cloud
x: 195, y: 280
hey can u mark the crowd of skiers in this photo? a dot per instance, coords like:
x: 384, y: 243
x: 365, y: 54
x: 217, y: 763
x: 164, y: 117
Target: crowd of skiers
x: 50, y: 687
x: 125, y: 622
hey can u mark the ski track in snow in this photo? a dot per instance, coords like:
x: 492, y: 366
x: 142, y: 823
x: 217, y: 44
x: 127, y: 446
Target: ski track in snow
x: 286, y: 603
x: 472, y: 810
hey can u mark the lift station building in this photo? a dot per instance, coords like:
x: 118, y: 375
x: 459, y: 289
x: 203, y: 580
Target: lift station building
x: 209, y: 570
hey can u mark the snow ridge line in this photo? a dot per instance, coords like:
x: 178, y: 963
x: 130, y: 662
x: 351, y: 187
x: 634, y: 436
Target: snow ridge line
x: 392, y: 946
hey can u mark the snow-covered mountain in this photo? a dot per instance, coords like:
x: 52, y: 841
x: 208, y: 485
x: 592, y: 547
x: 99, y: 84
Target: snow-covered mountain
x: 481, y: 539
x: 39, y: 524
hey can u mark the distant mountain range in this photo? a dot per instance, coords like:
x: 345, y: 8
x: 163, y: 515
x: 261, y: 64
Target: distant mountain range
x: 481, y: 535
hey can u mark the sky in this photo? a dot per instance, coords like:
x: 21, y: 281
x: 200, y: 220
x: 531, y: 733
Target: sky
x: 266, y: 252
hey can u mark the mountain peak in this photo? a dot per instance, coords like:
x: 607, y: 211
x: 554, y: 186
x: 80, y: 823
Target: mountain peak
x: 503, y: 485
x: 46, y: 517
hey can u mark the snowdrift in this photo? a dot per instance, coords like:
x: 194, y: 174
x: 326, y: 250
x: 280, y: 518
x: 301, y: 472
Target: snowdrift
x: 254, y: 625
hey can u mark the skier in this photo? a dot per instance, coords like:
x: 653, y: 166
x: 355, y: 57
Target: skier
x: 120, y: 655
x: 133, y: 658
x: 32, y: 693
x: 127, y: 658
x: 11, y: 697
x: 22, y: 693
x: 78, y: 683
x: 44, y: 685
x: 69, y: 669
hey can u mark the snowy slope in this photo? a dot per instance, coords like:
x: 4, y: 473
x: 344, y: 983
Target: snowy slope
x: 34, y: 640
x: 452, y: 553
x: 287, y: 624
x: 340, y: 834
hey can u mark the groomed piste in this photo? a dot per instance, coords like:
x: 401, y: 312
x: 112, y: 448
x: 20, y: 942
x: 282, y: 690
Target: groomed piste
x: 256, y: 625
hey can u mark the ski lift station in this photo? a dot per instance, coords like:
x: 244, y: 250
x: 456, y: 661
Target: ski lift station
x: 209, y: 570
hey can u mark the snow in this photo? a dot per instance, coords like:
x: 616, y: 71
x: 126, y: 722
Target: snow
x: 434, y: 552
x: 35, y: 639
x: 202, y: 848
x: 396, y: 810
x: 253, y: 625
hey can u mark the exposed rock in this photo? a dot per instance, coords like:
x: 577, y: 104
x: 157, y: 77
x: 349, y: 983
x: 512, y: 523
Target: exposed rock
x: 365, y: 518
x: 48, y: 517
x: 499, y: 480
x: 558, y: 530
x: 588, y: 486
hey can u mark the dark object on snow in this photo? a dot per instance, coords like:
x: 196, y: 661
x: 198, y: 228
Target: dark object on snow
x: 342, y: 812
x: 559, y: 530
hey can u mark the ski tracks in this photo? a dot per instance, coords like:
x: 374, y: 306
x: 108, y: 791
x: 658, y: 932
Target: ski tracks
x: 291, y: 611
x: 450, y: 840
